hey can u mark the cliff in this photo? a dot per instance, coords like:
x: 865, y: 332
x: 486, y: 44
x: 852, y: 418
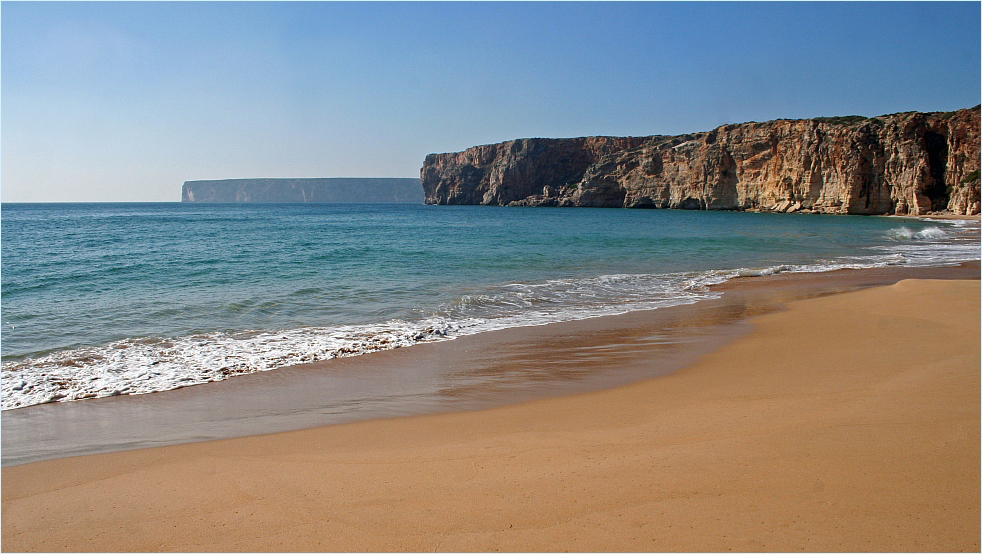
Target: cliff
x: 304, y: 190
x: 905, y: 163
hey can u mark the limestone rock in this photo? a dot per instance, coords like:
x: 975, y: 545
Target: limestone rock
x: 303, y: 190
x: 905, y: 163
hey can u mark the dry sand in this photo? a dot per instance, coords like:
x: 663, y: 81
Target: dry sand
x: 847, y: 422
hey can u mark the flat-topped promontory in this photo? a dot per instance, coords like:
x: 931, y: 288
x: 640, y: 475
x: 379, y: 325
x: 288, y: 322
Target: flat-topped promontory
x: 339, y: 189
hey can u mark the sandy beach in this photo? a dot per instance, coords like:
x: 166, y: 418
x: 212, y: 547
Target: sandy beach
x: 847, y: 422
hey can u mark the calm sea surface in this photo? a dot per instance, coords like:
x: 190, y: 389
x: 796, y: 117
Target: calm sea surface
x: 107, y: 299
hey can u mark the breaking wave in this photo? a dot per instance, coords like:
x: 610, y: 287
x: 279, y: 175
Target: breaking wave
x: 144, y: 365
x: 928, y: 233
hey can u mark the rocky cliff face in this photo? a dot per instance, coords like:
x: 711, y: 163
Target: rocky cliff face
x: 906, y: 163
x: 304, y: 190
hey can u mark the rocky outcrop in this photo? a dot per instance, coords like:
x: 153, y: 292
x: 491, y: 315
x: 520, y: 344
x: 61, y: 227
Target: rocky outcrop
x: 304, y: 190
x: 905, y: 163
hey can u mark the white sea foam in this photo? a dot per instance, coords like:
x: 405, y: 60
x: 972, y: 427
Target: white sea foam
x: 137, y: 366
x: 928, y: 233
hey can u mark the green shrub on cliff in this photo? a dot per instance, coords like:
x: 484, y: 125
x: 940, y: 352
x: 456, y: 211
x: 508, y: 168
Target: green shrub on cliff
x: 842, y: 119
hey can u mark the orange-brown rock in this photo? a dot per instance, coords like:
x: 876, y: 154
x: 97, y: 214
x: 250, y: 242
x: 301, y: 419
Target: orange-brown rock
x: 905, y: 163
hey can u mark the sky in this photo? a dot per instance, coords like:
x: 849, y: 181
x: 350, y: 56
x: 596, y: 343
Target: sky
x: 123, y: 102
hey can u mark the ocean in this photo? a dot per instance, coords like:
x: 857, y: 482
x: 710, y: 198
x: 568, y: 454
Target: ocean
x: 112, y: 299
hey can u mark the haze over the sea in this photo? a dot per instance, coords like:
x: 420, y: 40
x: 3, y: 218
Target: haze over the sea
x: 126, y: 101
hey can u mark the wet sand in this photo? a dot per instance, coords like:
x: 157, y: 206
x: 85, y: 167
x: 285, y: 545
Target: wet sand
x: 843, y: 422
x: 475, y: 372
x: 950, y: 217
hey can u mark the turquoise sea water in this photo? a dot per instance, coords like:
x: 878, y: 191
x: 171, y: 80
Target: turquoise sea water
x: 105, y: 299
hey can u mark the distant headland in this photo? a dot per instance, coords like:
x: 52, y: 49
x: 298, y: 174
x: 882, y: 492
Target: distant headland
x: 304, y: 190
x: 905, y: 163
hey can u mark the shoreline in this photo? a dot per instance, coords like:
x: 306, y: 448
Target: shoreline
x: 468, y: 373
x: 149, y: 361
x: 951, y: 217
x: 815, y: 431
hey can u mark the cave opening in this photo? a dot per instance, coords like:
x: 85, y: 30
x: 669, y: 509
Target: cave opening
x: 937, y: 158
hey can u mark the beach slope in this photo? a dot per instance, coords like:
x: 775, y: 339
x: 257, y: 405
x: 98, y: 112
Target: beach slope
x: 846, y: 422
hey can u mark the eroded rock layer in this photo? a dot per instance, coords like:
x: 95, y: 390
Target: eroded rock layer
x: 905, y: 163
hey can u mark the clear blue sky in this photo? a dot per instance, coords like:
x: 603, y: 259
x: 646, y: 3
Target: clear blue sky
x: 125, y: 101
